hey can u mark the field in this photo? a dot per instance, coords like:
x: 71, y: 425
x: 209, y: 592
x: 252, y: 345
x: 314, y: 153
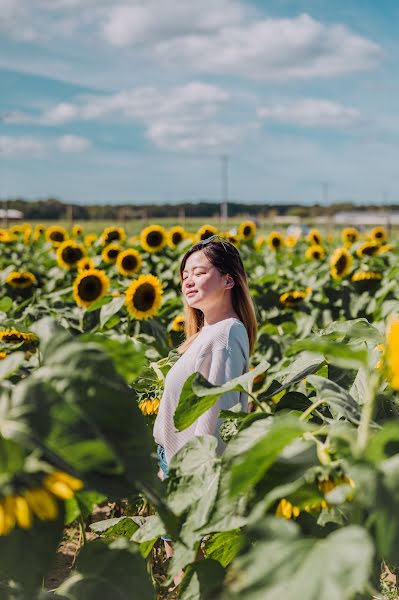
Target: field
x: 303, y: 501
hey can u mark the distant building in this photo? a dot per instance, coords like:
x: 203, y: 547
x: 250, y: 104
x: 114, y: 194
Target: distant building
x: 365, y: 217
x: 10, y: 214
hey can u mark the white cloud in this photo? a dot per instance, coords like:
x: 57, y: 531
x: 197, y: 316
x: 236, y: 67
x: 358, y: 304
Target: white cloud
x: 183, y: 135
x: 179, y: 118
x: 72, y: 143
x: 193, y: 100
x: 21, y: 146
x: 143, y: 22
x: 275, y: 49
x: 311, y: 112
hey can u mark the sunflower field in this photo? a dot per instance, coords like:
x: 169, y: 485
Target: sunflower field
x: 303, y: 503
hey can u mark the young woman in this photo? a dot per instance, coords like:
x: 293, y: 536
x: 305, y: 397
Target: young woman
x: 220, y: 335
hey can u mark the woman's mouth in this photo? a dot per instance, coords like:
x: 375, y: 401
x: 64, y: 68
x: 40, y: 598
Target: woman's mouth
x: 189, y: 294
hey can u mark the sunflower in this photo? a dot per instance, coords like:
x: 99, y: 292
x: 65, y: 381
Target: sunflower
x: 275, y: 240
x: 38, y: 232
x: 366, y: 280
x: 260, y: 242
x: 350, y: 235
x: 379, y: 235
x: 206, y: 231
x: 176, y: 235
x: 12, y: 336
x: 314, y: 237
x: 149, y: 407
x: 286, y: 510
x: 340, y: 263
x: 89, y: 286
x: 153, y: 238
x: 19, y: 228
x: 293, y: 298
x: 364, y: 275
x: 27, y: 234
x: 247, y: 230
x: 89, y: 239
x: 230, y: 237
x: 367, y: 249
x: 69, y: 253
x: 128, y: 262
x: 77, y: 231
x: 144, y: 297
x: 3, y: 355
x: 85, y: 264
x: 291, y: 241
x: 315, y: 252
x: 392, y: 354
x: 21, y: 279
x: 6, y: 237
x: 178, y: 323
x: 56, y: 235
x: 385, y: 248
x: 110, y: 253
x: 113, y: 234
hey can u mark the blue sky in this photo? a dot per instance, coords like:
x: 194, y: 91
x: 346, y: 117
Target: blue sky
x: 136, y: 101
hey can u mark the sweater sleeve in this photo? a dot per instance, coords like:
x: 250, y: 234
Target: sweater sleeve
x: 218, y: 367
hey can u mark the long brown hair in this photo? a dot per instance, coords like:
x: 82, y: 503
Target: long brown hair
x: 227, y: 260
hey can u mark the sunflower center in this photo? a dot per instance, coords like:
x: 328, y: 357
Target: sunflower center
x: 71, y: 255
x: 247, y: 230
x: 12, y: 337
x: 144, y: 297
x: 129, y: 263
x: 378, y: 234
x: 57, y: 236
x: 370, y: 250
x: 154, y: 239
x: 113, y: 253
x: 90, y: 288
x: 276, y: 242
x: 113, y: 235
x: 341, y: 264
x: 177, y: 238
x: 316, y: 254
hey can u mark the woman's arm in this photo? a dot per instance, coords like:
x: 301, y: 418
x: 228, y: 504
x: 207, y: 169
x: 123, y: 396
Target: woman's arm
x: 218, y: 367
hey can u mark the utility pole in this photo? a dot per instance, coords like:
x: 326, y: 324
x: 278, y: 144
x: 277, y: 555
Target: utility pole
x: 225, y: 189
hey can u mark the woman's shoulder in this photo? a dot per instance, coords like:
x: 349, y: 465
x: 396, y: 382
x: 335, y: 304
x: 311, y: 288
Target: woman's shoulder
x: 220, y: 335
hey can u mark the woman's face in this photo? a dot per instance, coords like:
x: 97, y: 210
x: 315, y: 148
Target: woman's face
x: 203, y: 285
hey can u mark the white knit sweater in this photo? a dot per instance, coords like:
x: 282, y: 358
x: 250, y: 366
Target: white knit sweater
x: 220, y: 352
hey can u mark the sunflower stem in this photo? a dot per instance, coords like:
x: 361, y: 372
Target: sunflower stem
x: 367, y: 414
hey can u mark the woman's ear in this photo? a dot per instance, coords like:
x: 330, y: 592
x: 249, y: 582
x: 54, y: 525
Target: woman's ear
x: 229, y: 283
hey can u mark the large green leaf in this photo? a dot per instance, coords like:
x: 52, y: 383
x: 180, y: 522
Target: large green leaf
x: 198, y: 395
x: 108, y: 571
x: 339, y: 401
x: 251, y: 465
x: 202, y: 581
x: 40, y: 544
x: 338, y: 353
x: 284, y: 564
x: 223, y: 546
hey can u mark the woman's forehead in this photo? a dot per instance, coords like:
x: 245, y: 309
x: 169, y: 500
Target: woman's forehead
x: 197, y: 259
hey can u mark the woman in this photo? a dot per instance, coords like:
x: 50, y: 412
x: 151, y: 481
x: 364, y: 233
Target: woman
x: 221, y: 333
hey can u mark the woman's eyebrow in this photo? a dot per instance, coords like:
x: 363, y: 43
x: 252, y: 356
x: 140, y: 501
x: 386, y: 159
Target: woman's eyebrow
x: 195, y: 267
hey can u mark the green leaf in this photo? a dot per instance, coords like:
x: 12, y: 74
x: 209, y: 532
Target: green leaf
x: 306, y: 364
x: 337, y: 353
x: 119, y: 526
x: 40, y: 542
x: 223, y: 546
x: 251, y: 465
x: 108, y: 571
x: 339, y: 401
x: 198, y: 395
x: 5, y: 304
x: 110, y: 309
x: 11, y: 364
x: 334, y: 568
x: 202, y: 580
